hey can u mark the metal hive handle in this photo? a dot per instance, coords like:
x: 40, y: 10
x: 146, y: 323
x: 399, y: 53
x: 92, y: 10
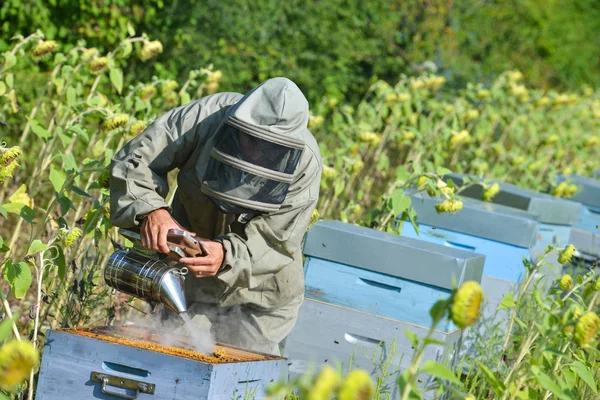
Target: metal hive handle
x: 123, y: 383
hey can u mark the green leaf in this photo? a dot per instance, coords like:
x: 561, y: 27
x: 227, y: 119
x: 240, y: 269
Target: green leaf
x: 400, y: 202
x: 9, y: 60
x: 18, y: 277
x: 69, y: 162
x: 130, y: 29
x: 443, y: 171
x: 402, y: 173
x: 64, y: 139
x: 414, y: 339
x: 127, y: 49
x: 61, y: 263
x: 411, y: 214
x: 508, y: 301
x: 59, y: 58
x: 58, y: 178
x: 548, y: 383
x: 3, y: 211
x: 13, y: 208
x: 10, y: 80
x: 65, y: 205
x: 585, y: 374
x: 27, y: 214
x: 185, y: 98
x: 495, y: 383
x: 3, y: 247
x: 438, y: 370
x: 438, y: 310
x: 139, y: 105
x: 6, y: 327
x: 39, y: 130
x: 80, y: 191
x: 2, y: 88
x: 433, y: 341
x: 78, y: 129
x: 36, y: 247
x: 116, y: 77
x: 60, y: 84
x: 71, y: 96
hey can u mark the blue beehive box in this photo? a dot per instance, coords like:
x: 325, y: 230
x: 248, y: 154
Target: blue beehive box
x: 586, y: 235
x: 504, y: 235
x: 556, y: 216
x: 364, y: 288
x: 76, y: 366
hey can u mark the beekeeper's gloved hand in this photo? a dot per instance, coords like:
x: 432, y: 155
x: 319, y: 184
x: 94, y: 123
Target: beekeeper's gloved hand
x: 154, y: 230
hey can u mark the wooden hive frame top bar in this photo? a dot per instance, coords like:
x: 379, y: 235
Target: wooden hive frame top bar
x: 146, y: 339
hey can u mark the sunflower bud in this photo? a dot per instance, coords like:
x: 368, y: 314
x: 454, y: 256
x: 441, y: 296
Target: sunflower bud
x: 586, y: 328
x: 566, y: 254
x: 115, y: 122
x: 422, y: 182
x: 514, y: 76
x: 559, y: 190
x: 325, y: 384
x: 391, y: 98
x: 171, y: 99
x: 44, y: 48
x: 566, y: 282
x: 8, y: 171
x: 10, y: 156
x: 169, y: 86
x: 329, y: 172
x: 592, y: 141
x: 89, y: 53
x: 466, y: 304
x: 17, y: 359
x: 483, y: 94
x: 357, y: 166
x: 449, y: 206
x: 489, y: 193
x: 104, y: 179
x: 369, y: 137
x: 71, y: 237
x: 315, y: 121
x: 98, y: 65
x: 137, y: 128
x: 151, y: 49
x: 435, y: 82
x: 471, y: 115
x: 542, y: 102
x: 214, y: 77
x: 148, y: 92
x: 552, y: 139
x: 403, y: 97
x: 459, y: 138
x: 416, y: 84
x: 358, y: 385
x: 212, y: 87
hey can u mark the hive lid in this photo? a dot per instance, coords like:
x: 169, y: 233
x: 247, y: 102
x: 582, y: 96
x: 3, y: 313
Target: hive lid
x: 482, y: 219
x: 585, y: 241
x: 406, y: 258
x: 549, y: 209
x: 588, y: 190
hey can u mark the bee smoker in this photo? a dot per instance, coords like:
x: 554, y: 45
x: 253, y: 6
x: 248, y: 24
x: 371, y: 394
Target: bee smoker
x: 150, y: 276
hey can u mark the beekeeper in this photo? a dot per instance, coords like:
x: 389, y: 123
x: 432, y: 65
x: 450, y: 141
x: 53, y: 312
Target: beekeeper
x: 248, y: 182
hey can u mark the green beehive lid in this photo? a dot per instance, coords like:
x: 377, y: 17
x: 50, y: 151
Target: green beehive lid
x: 588, y: 190
x: 549, y: 209
x: 482, y: 219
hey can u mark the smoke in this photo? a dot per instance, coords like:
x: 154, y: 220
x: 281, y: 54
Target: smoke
x: 169, y: 329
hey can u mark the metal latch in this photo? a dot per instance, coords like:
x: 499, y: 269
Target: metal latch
x: 123, y: 383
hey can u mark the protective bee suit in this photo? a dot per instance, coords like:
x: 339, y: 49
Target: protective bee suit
x: 249, y: 174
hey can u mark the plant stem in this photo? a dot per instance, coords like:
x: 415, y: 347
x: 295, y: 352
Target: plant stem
x: 37, y: 317
x: 9, y: 314
x: 556, y: 365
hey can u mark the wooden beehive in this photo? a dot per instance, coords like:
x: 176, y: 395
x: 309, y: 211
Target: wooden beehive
x: 129, y: 362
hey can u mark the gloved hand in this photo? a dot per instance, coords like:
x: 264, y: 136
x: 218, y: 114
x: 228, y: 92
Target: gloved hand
x: 155, y: 228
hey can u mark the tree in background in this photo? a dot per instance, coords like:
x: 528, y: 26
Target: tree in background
x: 336, y: 48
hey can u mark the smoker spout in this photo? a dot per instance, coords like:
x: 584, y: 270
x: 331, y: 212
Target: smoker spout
x: 172, y: 293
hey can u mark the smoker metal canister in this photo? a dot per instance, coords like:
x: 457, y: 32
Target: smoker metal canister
x: 135, y: 274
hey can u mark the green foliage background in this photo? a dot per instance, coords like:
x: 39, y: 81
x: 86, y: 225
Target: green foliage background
x: 336, y: 48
